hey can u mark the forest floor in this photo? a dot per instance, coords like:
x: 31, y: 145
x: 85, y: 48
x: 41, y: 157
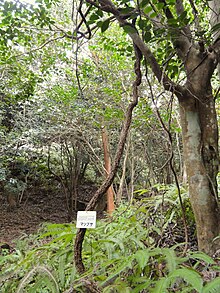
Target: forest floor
x: 49, y: 206
x: 33, y: 211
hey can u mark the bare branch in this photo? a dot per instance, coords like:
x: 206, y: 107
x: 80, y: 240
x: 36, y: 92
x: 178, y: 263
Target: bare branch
x: 41, y: 46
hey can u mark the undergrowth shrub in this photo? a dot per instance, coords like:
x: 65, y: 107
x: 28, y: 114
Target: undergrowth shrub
x: 119, y: 255
x: 165, y: 215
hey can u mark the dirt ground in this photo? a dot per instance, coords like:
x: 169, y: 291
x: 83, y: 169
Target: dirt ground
x: 31, y: 213
x: 37, y: 207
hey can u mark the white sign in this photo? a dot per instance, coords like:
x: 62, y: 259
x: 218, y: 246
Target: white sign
x: 86, y: 219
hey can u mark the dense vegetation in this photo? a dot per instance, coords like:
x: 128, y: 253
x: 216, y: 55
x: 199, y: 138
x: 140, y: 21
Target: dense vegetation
x: 73, y: 73
x: 127, y: 253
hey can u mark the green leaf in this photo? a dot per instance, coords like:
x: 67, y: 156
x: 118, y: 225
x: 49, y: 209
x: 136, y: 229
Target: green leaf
x: 153, y: 15
x: 170, y: 258
x: 142, y: 23
x: 126, y: 10
x: 141, y: 287
x: 41, y: 283
x: 160, y: 6
x: 99, y: 12
x: 105, y: 25
x: 142, y: 257
x: 161, y: 286
x: 216, y: 27
x: 148, y: 9
x: 129, y: 29
x: 188, y: 275
x: 172, y: 22
x: 212, y: 287
x: 143, y: 3
x: 202, y: 257
x: 147, y: 36
x: 127, y: 263
x: 47, y: 279
x: 94, y: 17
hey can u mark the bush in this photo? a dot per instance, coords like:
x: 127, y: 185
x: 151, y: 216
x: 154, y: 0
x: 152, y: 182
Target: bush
x: 118, y: 256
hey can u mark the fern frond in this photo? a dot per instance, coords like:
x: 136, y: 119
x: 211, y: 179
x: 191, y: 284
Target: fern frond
x: 212, y: 287
x: 161, y: 286
x: 189, y: 276
x: 38, y: 269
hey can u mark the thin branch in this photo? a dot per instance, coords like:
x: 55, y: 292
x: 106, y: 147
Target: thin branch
x: 170, y: 161
x: 77, y: 49
x: 40, y: 47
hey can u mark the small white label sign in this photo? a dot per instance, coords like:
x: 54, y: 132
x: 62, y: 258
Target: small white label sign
x: 86, y: 219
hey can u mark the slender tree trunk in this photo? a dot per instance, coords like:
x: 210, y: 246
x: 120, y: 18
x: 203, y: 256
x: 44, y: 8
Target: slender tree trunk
x: 122, y: 180
x: 110, y: 192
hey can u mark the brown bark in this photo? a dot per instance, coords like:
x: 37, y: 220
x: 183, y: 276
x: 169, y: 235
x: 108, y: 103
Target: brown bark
x: 110, y: 192
x: 200, y: 145
x: 201, y: 176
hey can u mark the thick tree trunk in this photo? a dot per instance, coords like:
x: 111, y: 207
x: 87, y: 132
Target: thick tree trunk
x: 202, y: 188
x: 200, y: 144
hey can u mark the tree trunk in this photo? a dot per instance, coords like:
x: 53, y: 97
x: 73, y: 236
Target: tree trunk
x: 122, y: 179
x: 110, y: 192
x: 200, y: 146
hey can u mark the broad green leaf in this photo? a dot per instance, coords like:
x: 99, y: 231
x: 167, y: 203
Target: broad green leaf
x: 124, y: 264
x: 148, y: 9
x: 143, y: 3
x: 160, y: 6
x: 142, y: 257
x: 172, y: 22
x: 141, y: 287
x: 147, y: 36
x: 94, y: 17
x: 105, y: 25
x: 202, y: 257
x: 170, y: 258
x: 129, y: 29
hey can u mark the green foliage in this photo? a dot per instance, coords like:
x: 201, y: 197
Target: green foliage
x: 212, y: 287
x: 165, y: 204
x: 116, y: 256
x: 125, y: 254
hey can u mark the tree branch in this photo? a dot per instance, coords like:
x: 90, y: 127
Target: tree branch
x: 108, y: 6
x: 41, y: 46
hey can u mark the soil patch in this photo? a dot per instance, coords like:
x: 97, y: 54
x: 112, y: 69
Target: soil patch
x: 35, y: 209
